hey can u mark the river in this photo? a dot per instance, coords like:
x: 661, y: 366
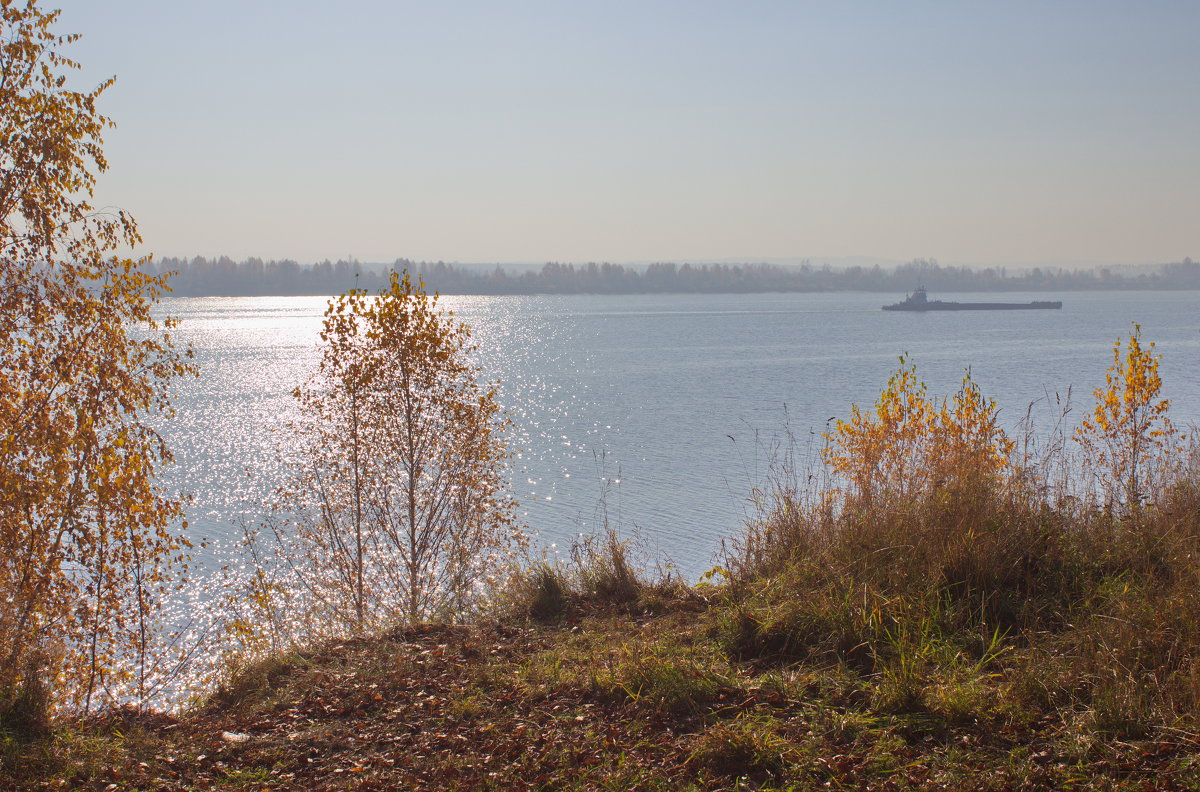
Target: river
x: 659, y: 412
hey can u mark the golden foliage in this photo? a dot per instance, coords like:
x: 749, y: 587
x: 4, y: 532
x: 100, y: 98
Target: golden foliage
x: 399, y: 510
x: 1128, y: 440
x: 968, y: 448
x: 83, y: 528
x: 909, y: 445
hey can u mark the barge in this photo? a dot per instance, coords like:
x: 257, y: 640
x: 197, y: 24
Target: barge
x: 919, y: 301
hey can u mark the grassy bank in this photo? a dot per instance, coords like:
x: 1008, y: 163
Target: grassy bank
x: 1035, y: 657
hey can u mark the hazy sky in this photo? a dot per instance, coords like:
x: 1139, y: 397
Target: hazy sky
x: 1001, y: 132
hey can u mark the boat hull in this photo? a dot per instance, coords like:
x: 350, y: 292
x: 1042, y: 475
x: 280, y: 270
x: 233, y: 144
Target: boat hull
x: 938, y: 305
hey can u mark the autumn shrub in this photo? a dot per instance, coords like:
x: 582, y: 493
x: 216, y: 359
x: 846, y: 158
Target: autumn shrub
x: 910, y: 447
x: 915, y: 485
x: 1131, y: 447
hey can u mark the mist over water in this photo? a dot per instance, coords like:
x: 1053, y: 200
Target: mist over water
x: 666, y: 405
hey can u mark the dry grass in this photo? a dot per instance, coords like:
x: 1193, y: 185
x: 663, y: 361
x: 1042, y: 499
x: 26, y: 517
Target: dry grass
x: 605, y: 573
x: 944, y: 603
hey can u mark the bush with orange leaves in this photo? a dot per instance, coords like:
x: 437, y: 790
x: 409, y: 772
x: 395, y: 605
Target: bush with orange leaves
x: 910, y: 446
x: 1130, y: 446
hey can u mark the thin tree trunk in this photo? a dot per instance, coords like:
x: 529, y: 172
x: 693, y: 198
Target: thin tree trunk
x: 359, y: 604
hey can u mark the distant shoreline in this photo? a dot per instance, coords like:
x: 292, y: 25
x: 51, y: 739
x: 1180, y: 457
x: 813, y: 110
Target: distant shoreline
x: 199, y: 277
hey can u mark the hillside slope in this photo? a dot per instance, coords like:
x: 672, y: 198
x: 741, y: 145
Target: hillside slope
x: 604, y: 701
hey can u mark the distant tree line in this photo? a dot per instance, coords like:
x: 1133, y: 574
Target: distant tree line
x: 224, y: 277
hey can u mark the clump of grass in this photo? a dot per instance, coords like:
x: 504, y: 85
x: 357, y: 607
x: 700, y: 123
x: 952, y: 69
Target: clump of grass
x: 601, y: 577
x: 770, y: 623
x: 25, y: 714
x: 247, y: 686
x: 604, y: 572
x: 748, y: 748
x: 548, y: 595
x: 570, y: 664
x: 604, y: 659
x: 666, y: 675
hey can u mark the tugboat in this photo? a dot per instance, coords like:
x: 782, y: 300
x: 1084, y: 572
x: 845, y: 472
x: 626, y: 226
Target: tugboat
x: 919, y: 301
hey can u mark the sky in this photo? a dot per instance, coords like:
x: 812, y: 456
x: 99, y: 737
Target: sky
x: 974, y: 133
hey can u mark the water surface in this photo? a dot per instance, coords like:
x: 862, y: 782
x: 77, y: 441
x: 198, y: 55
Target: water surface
x: 662, y: 404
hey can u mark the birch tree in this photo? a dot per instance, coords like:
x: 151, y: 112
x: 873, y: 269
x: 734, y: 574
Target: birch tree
x: 401, y: 506
x: 85, y: 533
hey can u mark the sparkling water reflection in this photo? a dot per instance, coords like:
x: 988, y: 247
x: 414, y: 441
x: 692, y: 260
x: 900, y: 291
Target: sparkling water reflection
x: 656, y: 399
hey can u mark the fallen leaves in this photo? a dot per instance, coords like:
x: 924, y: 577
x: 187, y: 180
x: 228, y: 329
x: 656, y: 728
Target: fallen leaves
x: 433, y: 708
